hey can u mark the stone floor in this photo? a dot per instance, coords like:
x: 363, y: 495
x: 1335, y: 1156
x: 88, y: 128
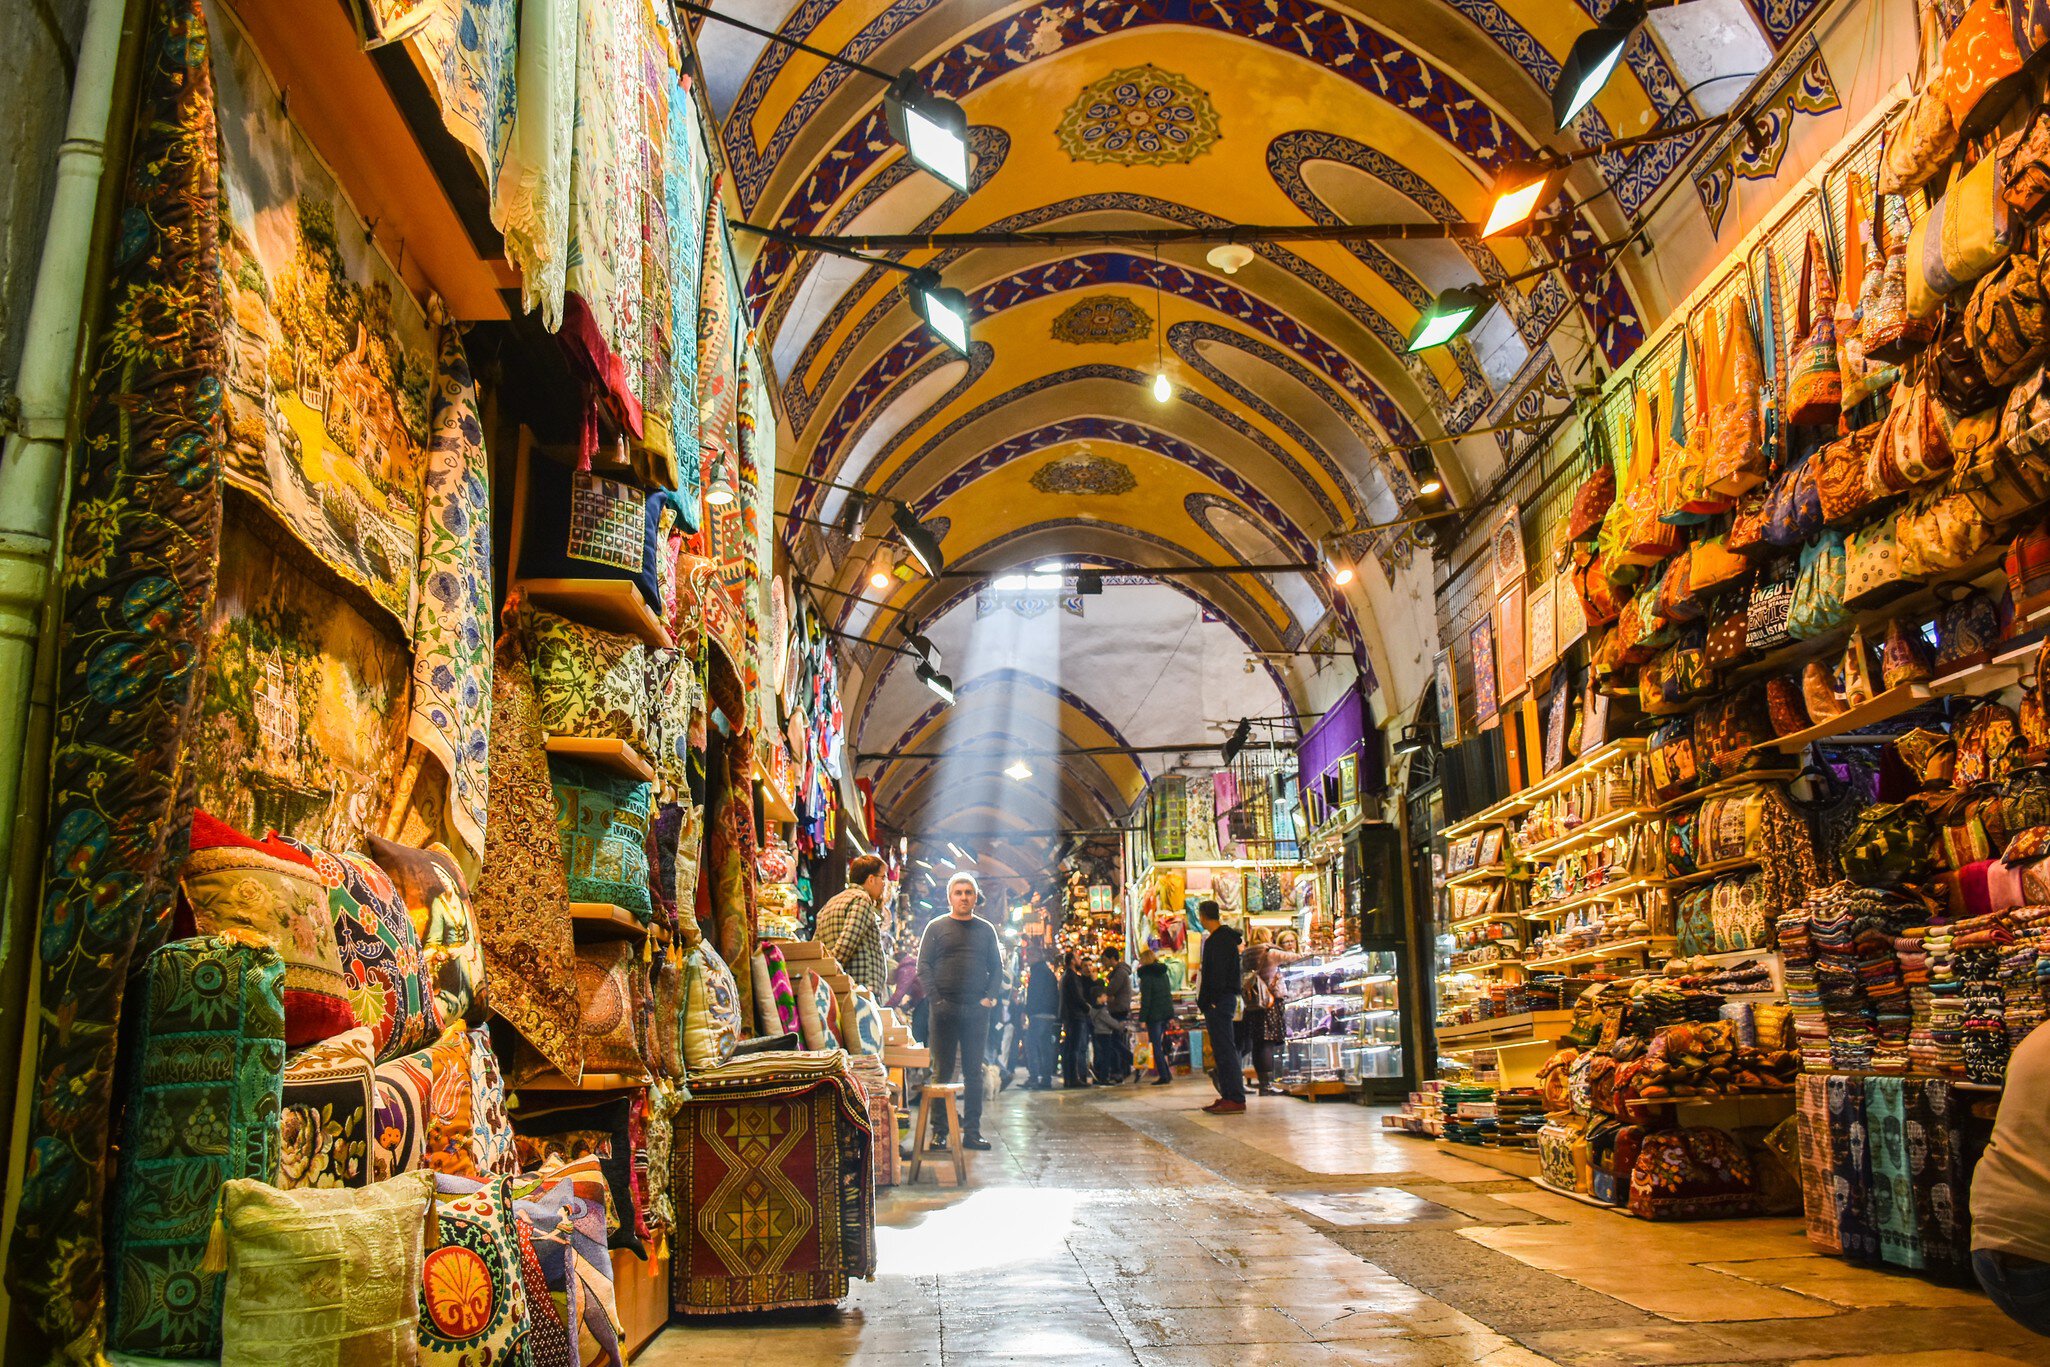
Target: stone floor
x: 1124, y: 1226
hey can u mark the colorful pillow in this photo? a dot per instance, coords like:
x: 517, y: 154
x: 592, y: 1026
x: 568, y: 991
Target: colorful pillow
x: 380, y: 947
x: 868, y: 1022
x: 585, y: 526
x: 588, y: 682
x: 324, y: 1127
x: 495, y: 1152
x: 780, y: 988
x: 473, y: 1307
x: 549, y: 1345
x: 430, y: 886
x: 604, y: 819
x: 443, y: 1108
x: 203, y: 1109
x: 811, y: 1026
x: 549, y: 1139
x: 324, y: 1276
x: 267, y: 889
x: 606, y: 989
x: 711, y: 1009
x: 572, y: 1215
x: 664, y: 1034
x: 768, y: 1020
x: 673, y: 699
x: 827, y: 1009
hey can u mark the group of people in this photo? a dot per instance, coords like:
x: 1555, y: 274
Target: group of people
x: 1083, y: 1021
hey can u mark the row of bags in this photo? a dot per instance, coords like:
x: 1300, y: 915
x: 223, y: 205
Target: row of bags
x: 2005, y: 820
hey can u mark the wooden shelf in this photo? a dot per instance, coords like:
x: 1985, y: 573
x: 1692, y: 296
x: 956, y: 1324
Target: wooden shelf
x: 1518, y: 803
x: 1460, y: 880
x: 602, y: 920
x: 1750, y: 778
x: 1488, y: 966
x: 1888, y: 705
x: 616, y: 755
x: 608, y: 604
x: 1469, y: 922
x: 1710, y: 872
x: 1607, y: 893
x: 1590, y: 833
x: 776, y: 802
x: 1641, y: 944
x: 1508, y: 1027
x: 553, y: 1081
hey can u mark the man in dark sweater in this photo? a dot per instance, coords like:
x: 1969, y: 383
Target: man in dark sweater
x: 1042, y: 1017
x: 1217, y: 997
x: 962, y: 969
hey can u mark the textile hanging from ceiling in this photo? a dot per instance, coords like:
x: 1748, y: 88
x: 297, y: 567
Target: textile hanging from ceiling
x: 330, y: 361
x: 756, y: 501
x: 530, y: 201
x: 452, y: 631
x: 606, y: 173
x: 684, y: 185
x: 138, y: 576
x: 522, y: 891
x: 470, y: 47
x: 302, y: 712
x: 718, y: 383
x: 732, y: 870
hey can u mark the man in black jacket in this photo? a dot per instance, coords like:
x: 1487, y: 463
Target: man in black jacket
x: 962, y: 969
x: 1042, y: 1017
x: 1217, y: 997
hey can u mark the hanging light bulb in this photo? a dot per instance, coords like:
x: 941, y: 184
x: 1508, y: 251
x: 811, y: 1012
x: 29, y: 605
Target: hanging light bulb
x: 1163, y: 390
x: 882, y: 572
x: 1336, y: 565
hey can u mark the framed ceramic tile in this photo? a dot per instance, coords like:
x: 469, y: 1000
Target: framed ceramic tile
x: 1481, y: 644
x: 1556, y: 710
x: 1448, y: 699
x: 1569, y: 613
x: 1512, y: 667
x: 1505, y: 548
x: 1542, y: 634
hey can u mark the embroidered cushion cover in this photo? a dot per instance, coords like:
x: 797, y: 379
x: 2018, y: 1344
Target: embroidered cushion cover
x: 604, y: 819
x: 868, y: 1022
x: 324, y: 1127
x: 588, y: 682
x: 271, y: 891
x: 570, y: 1208
x: 442, y: 1109
x: 711, y: 1009
x: 550, y: 1138
x: 430, y: 886
x: 473, y: 1305
x: 324, y: 1277
x: 386, y: 972
x: 549, y: 1343
x: 203, y: 1108
x: 607, y: 989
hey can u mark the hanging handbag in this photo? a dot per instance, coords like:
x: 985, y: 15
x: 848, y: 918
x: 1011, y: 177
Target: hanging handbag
x: 1989, y: 745
x: 1772, y: 596
x: 1842, y: 468
x: 1814, y: 384
x: 2007, y: 322
x: 1939, y: 532
x: 1748, y: 520
x: 1794, y: 512
x: 1954, y: 373
x: 1904, y: 656
x: 2025, y: 418
x: 1591, y: 505
x: 1598, y: 597
x: 1819, y: 591
x: 1712, y: 564
x: 1684, y: 496
x: 1819, y: 694
x: 1964, y: 236
x: 2025, y: 165
x: 1860, y: 679
x: 1727, y: 630
x: 1645, y: 539
x: 2035, y: 724
x: 1967, y: 629
x: 1889, y: 332
x: 1785, y: 705
x: 1996, y: 487
x: 1980, y: 60
x: 1864, y: 273
x: 1670, y: 760
x: 2028, y: 566
x: 1872, y: 568
x: 1890, y: 843
x: 1737, y: 420
x: 1921, y: 142
x: 1915, y: 448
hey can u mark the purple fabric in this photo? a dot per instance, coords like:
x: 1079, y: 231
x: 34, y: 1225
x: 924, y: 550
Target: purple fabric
x: 1341, y: 731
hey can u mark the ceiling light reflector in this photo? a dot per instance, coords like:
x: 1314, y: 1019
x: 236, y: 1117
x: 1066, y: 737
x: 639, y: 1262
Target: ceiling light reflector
x: 932, y: 129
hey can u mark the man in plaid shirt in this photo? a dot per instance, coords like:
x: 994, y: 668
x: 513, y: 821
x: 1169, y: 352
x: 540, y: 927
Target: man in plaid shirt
x: 850, y: 926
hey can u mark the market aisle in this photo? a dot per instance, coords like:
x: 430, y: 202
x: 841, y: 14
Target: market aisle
x: 1123, y: 1225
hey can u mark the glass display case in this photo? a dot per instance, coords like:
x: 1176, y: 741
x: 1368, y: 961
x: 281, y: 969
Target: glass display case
x: 1342, y: 1019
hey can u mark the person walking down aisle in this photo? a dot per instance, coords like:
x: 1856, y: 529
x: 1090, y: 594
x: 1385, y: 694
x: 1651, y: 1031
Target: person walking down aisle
x: 1075, y: 985
x: 1260, y: 1026
x: 2011, y: 1191
x: 1217, y: 997
x: 1042, y: 1018
x: 1117, y: 1000
x: 1156, y: 1009
x: 962, y: 969
x: 907, y: 995
x: 850, y: 925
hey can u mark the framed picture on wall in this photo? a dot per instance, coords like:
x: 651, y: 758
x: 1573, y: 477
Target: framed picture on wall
x: 1569, y: 613
x: 1505, y: 549
x: 1448, y: 699
x: 1512, y: 669
x: 1543, y: 633
x: 1481, y: 644
x: 1556, y: 711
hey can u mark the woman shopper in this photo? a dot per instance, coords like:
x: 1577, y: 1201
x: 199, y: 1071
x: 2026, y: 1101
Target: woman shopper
x: 1156, y: 1009
x: 1075, y: 1019
x: 1262, y: 1022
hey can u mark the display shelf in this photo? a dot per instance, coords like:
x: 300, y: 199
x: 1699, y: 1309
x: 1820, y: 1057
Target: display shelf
x: 1470, y: 922
x: 1750, y: 778
x: 776, y: 802
x: 1990, y: 677
x: 1515, y: 1162
x: 1518, y: 803
x: 1499, y: 1045
x: 1588, y: 834
x: 609, y: 604
x: 1708, y: 873
x: 1460, y: 880
x: 1892, y: 703
x: 1487, y: 966
x: 1607, y: 893
x: 1638, y: 944
x: 1522, y: 1023
x: 604, y: 920
x: 552, y: 1081
x: 604, y: 753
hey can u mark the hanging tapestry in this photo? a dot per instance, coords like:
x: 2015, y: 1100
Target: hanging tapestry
x: 469, y: 52
x: 732, y: 872
x: 140, y: 549
x: 723, y: 624
x: 1200, y: 823
x: 1893, y: 1186
x: 452, y: 632
x: 210, y: 1067
x: 758, y: 499
x: 1169, y: 813
x: 530, y: 202
x: 330, y: 361
x: 302, y: 715
x: 683, y: 189
x: 386, y: 21
x: 718, y: 382
x: 606, y: 173
x: 522, y: 894
x: 1940, y: 1167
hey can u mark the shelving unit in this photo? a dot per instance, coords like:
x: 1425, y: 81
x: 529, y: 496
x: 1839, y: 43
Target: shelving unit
x: 608, y: 604
x: 604, y: 753
x: 602, y: 920
x: 1610, y: 893
x: 1642, y: 944
x: 1591, y: 833
x: 1888, y: 705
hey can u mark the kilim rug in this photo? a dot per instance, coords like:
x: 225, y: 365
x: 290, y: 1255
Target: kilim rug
x: 774, y: 1185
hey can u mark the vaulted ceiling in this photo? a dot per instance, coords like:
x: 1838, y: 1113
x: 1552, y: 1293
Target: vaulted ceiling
x: 1290, y: 379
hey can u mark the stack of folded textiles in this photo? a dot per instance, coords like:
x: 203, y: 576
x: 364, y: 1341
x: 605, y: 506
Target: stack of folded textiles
x: 1519, y: 1115
x: 1804, y: 993
x: 1985, y: 1013
x: 1747, y: 979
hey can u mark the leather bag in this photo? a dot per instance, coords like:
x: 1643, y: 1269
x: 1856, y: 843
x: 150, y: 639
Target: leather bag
x: 1814, y: 383
x: 2007, y: 322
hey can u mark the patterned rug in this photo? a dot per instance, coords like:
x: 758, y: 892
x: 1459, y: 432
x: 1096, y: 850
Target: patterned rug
x: 773, y: 1164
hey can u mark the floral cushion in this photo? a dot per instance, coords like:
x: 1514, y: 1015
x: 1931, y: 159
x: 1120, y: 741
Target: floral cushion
x: 711, y: 1009
x: 430, y: 886
x: 604, y: 819
x: 443, y: 1108
x: 324, y: 1276
x: 267, y: 889
x: 324, y: 1128
x: 473, y: 1304
x: 608, y: 987
x: 588, y: 682
x: 382, y: 960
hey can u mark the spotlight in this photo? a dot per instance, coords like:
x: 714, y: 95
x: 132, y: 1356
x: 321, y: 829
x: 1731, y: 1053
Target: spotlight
x: 928, y: 653
x: 854, y: 518
x: 1163, y: 390
x: 936, y: 681
x: 1425, y: 471
x: 956, y: 850
x: 1415, y: 737
x: 883, y: 572
x: 1048, y: 567
x: 1240, y: 734
x: 1336, y: 565
x: 918, y: 539
x: 1521, y: 189
x: 945, y: 311
x: 1452, y: 314
x: 1593, y: 60
x: 719, y: 492
x: 1019, y: 770
x: 932, y: 129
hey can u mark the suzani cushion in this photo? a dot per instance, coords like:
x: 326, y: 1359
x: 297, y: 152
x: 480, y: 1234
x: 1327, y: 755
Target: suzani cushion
x: 604, y: 819
x: 711, y: 1009
x: 588, y: 682
x: 324, y: 1128
x: 324, y: 1277
x: 608, y: 988
x: 473, y: 1304
x: 267, y: 889
x: 430, y: 886
x: 549, y: 1139
x: 203, y: 1109
x: 868, y: 1022
x: 768, y: 1021
x: 380, y: 948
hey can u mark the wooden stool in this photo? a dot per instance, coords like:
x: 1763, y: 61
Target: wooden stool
x: 948, y: 1094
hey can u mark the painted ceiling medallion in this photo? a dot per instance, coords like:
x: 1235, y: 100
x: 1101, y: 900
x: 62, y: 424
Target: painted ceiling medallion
x: 1140, y: 116
x: 1104, y: 318
x: 1085, y: 472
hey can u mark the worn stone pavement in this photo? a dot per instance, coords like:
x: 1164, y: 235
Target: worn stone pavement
x: 1121, y: 1225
